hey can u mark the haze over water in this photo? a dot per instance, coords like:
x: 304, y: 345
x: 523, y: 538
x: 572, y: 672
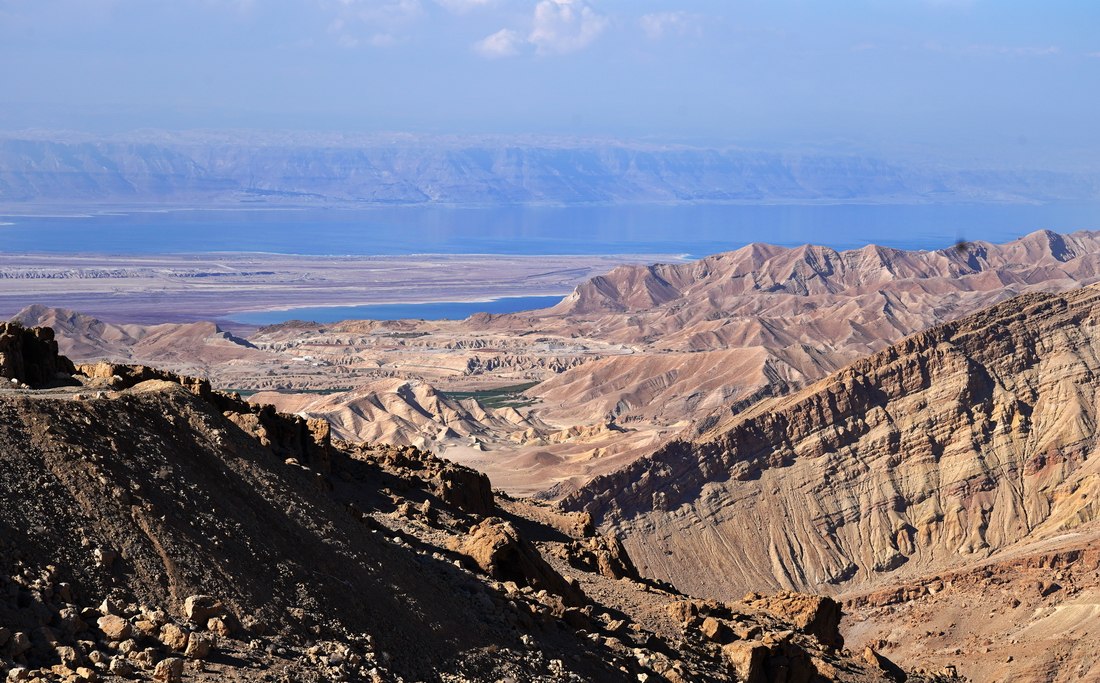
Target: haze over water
x: 692, y: 229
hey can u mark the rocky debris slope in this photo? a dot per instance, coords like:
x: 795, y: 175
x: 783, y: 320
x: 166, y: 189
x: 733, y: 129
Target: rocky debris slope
x: 1027, y: 615
x: 152, y: 528
x: 950, y: 445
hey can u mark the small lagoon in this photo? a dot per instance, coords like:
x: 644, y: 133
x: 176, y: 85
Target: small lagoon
x: 434, y: 310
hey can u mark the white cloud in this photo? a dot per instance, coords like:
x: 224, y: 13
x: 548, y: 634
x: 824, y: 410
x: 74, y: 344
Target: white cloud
x: 661, y: 24
x: 462, y: 6
x: 562, y: 26
x: 374, y: 22
x: 503, y: 43
x: 557, y: 27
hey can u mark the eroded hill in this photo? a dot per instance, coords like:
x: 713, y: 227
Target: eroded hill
x: 624, y: 364
x: 155, y: 529
x: 960, y: 446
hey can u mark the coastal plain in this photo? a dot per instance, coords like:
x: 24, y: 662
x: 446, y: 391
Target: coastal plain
x: 189, y: 287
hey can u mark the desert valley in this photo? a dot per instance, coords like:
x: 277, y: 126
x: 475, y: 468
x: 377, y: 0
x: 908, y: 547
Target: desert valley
x: 909, y: 434
x: 549, y: 341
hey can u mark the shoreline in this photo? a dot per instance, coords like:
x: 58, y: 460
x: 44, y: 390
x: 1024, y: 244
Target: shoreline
x: 221, y: 287
x: 254, y: 313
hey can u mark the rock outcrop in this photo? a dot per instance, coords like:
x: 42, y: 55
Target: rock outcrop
x: 30, y: 356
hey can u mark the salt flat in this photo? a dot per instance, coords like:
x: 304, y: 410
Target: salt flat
x: 188, y: 287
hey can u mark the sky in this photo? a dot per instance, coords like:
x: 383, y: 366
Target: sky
x: 1003, y: 80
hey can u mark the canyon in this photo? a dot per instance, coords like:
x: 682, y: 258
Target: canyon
x: 156, y: 529
x: 970, y: 444
x: 907, y: 433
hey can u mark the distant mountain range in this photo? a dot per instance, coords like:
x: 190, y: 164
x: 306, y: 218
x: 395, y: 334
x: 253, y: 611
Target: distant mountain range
x: 247, y: 168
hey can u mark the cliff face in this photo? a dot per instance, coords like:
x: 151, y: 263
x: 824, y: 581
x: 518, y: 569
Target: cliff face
x: 949, y: 446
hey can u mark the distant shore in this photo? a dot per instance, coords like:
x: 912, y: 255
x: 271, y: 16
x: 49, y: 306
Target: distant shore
x: 223, y: 286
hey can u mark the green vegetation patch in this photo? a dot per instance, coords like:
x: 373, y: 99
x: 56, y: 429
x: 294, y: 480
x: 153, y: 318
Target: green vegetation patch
x: 501, y: 397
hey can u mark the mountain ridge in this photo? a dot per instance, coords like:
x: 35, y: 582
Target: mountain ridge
x: 825, y: 421
x: 397, y: 170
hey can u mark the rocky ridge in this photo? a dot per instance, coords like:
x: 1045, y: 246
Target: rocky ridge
x: 967, y: 442
x: 154, y: 528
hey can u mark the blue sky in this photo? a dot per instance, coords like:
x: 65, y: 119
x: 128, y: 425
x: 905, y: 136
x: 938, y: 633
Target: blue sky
x: 993, y: 79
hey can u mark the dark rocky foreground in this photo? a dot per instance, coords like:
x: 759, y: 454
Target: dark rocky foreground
x: 151, y: 528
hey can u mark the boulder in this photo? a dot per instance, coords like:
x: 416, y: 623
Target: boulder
x: 746, y: 658
x: 887, y: 669
x: 119, y: 666
x: 814, y: 615
x: 466, y: 489
x: 115, y: 627
x: 68, y: 656
x: 169, y: 670
x: 715, y: 631
x: 199, y: 646
x: 30, y: 356
x: 603, y: 554
x: 173, y: 637
x: 496, y: 548
x: 218, y: 627
x: 200, y: 609
x: 18, y: 644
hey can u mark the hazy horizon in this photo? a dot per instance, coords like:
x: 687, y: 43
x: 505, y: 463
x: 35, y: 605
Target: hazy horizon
x: 954, y: 80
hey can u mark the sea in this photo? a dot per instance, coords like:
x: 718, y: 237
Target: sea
x: 687, y: 230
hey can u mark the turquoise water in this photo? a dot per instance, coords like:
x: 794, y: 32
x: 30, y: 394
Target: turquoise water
x: 437, y: 310
x: 641, y: 229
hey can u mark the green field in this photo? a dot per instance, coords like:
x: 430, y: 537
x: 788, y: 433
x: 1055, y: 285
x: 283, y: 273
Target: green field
x: 501, y: 397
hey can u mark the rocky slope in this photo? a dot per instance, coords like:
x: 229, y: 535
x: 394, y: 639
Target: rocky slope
x: 1024, y: 615
x: 155, y: 529
x: 961, y: 443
